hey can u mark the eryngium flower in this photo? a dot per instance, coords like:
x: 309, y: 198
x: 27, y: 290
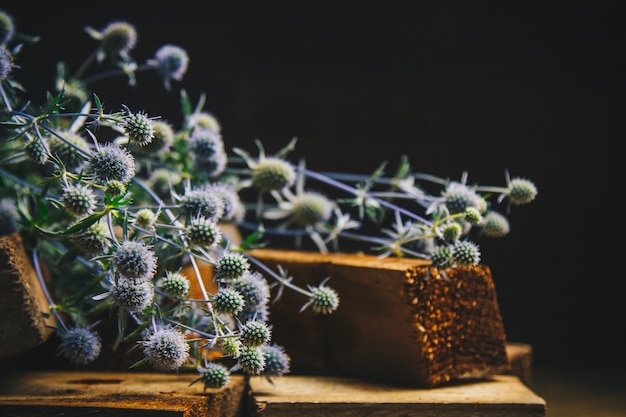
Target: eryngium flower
x: 70, y: 151
x: 92, y: 241
x: 166, y: 349
x: 251, y: 360
x: 200, y: 202
x: 145, y: 218
x: 139, y: 129
x: 118, y: 38
x: 451, y: 231
x: 214, y: 375
x: 6, y: 63
x: 36, y: 152
x: 228, y: 301
x: 310, y: 208
x: 7, y: 27
x: 78, y: 199
x: 175, y: 284
x: 441, y: 256
x: 231, y: 346
x: 202, y: 120
x: 323, y: 299
x: 133, y: 296
x: 80, y: 345
x: 276, y: 360
x: 135, y: 260
x: 521, y: 191
x: 273, y: 174
x: 171, y: 61
x: 8, y: 217
x: 115, y: 189
x: 255, y: 333
x: 232, y: 265
x: 466, y: 253
x: 162, y: 139
x: 253, y: 287
x: 111, y: 162
x: 203, y: 232
x: 458, y: 197
x: 230, y: 197
x: 495, y: 225
x: 162, y: 180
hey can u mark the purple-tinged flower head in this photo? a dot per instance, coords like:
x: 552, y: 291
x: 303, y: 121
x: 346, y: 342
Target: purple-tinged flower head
x: 36, y: 152
x: 230, y: 197
x: 203, y: 232
x: 251, y: 360
x: 175, y: 284
x: 8, y: 217
x: 172, y: 62
x: 255, y: 333
x: 203, y: 120
x: 111, y: 162
x: 200, y: 202
x: 166, y: 349
x: 162, y: 139
x: 6, y: 63
x: 466, y: 253
x: 7, y: 27
x: 213, y: 376
x: 277, y: 362
x: 521, y: 191
x: 79, y: 199
x: 231, y: 265
x: 458, y: 197
x: 72, y: 150
x: 495, y: 225
x: 138, y: 127
x: 132, y: 296
x: 323, y: 300
x: 80, y: 345
x: 118, y: 38
x: 135, y: 260
x: 93, y: 241
x: 253, y: 287
x: 228, y: 301
x: 207, y: 150
x: 441, y: 256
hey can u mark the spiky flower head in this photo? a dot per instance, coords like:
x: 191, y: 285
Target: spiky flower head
x: 250, y: 312
x: 230, y: 197
x: 6, y: 63
x: 161, y: 180
x: 214, y: 376
x: 8, y: 217
x: 171, y: 61
x: 135, y: 260
x: 7, y: 27
x: 200, y: 202
x: 231, y: 346
x: 228, y: 301
x: 207, y: 150
x: 451, y: 231
x: 166, y: 349
x: 277, y: 362
x: 310, y: 208
x: 139, y: 128
x: 175, y: 284
x: 115, y: 189
x: 71, y: 150
x: 145, y: 218
x: 79, y: 199
x: 255, y: 333
x: 93, y: 241
x: 495, y: 225
x: 521, y: 191
x: 251, y: 360
x: 253, y: 287
x: 323, y: 299
x: 232, y: 265
x: 473, y: 215
x: 162, y: 139
x: 133, y: 296
x: 441, y: 256
x: 118, y: 38
x: 466, y: 253
x: 273, y: 174
x: 458, y: 197
x: 111, y: 162
x: 80, y: 345
x: 203, y: 120
x: 36, y: 151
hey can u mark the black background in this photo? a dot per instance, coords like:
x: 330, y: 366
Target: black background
x: 533, y: 87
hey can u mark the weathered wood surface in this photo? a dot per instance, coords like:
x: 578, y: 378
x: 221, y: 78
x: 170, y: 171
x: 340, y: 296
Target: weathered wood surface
x: 521, y: 359
x: 396, y: 321
x: 117, y: 394
x: 499, y: 396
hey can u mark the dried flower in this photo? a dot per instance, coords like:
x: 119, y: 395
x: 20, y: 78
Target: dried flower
x: 135, y: 260
x: 80, y: 345
x: 133, y: 296
x: 110, y: 162
x: 166, y: 349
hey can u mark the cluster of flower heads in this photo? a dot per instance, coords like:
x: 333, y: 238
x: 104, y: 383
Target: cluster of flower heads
x: 144, y: 209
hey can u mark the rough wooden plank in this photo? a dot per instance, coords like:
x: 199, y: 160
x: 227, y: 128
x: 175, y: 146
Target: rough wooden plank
x: 521, y: 359
x: 498, y: 396
x: 113, y: 394
x: 396, y: 322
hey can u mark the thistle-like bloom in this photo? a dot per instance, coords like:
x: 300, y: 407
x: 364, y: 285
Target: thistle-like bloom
x: 79, y: 199
x: 6, y: 63
x: 253, y: 287
x: 255, y: 333
x: 213, y: 375
x: 145, y: 218
x: 175, y: 284
x: 111, y: 162
x: 269, y: 173
x: 135, y: 260
x: 80, y: 345
x: 231, y: 265
x: 466, y: 253
x: 133, y: 296
x: 495, y: 225
x: 139, y: 129
x: 166, y: 349
x: 7, y: 28
x: 203, y: 232
x: 473, y: 215
x: 231, y: 346
x: 521, y: 191
x: 93, y: 241
x: 304, y: 209
x: 251, y: 360
x: 71, y: 150
x: 228, y: 301
x: 258, y: 313
x: 457, y: 197
x: 162, y: 180
x: 200, y: 202
x: 277, y: 362
x: 441, y: 257
x: 172, y: 62
x: 203, y: 120
x: 323, y: 299
x: 451, y: 231
x: 35, y: 150
x: 227, y: 193
x: 117, y: 39
x: 115, y: 189
x: 162, y: 139
x: 207, y: 150
x: 8, y: 217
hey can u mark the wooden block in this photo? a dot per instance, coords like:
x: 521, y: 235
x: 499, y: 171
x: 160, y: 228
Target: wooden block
x: 22, y: 300
x: 498, y: 396
x: 115, y: 394
x: 521, y: 359
x: 396, y: 322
